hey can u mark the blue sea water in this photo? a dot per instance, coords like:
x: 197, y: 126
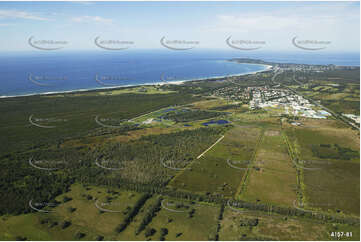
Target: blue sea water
x: 24, y: 73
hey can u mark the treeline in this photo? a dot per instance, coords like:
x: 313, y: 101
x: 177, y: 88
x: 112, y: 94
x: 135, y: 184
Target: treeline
x: 347, y: 75
x: 219, y: 199
x: 289, y: 211
x: 334, y: 151
x: 129, y: 218
x: 228, y: 106
x: 149, y: 215
x: 145, y: 160
x: 20, y: 184
x: 75, y: 124
x: 42, y: 173
x: 249, y: 222
x: 220, y: 218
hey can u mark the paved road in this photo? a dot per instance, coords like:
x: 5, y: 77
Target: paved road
x: 210, y: 147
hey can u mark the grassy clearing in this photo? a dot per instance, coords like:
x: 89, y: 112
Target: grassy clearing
x: 201, y: 225
x: 85, y: 218
x: 334, y: 183
x: 277, y: 227
x: 259, y: 117
x: 27, y: 226
x: 88, y: 215
x: 129, y: 233
x: 209, y: 104
x: 212, y: 172
x: 272, y: 178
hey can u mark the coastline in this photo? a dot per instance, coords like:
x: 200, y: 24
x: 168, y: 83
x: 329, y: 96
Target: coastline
x: 267, y: 68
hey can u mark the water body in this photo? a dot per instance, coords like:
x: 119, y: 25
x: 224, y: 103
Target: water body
x: 25, y: 73
x: 221, y: 121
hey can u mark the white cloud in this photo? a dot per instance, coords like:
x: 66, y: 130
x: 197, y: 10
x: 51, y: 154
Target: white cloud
x: 247, y: 23
x: 91, y: 19
x: 14, y: 14
x: 84, y: 2
x: 300, y: 17
x: 340, y: 25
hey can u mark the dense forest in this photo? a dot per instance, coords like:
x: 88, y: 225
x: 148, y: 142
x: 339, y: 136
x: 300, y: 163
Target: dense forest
x: 42, y: 174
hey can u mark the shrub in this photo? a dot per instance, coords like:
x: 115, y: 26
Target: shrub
x: 20, y: 238
x: 71, y: 209
x: 149, y: 232
x: 65, y: 224
x: 99, y: 238
x: 67, y: 199
x: 79, y: 235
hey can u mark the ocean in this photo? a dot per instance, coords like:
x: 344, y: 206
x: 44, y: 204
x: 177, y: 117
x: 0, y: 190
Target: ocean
x: 26, y: 73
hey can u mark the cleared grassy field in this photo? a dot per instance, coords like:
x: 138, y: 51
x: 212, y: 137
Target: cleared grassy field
x: 277, y: 227
x: 88, y: 212
x: 273, y: 178
x: 221, y: 169
x: 209, y: 104
x: 201, y: 225
x: 331, y: 156
x: 86, y: 216
x: 26, y: 226
x: 129, y: 233
x: 259, y: 117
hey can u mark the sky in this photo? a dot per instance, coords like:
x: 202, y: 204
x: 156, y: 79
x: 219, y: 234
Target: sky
x: 141, y: 25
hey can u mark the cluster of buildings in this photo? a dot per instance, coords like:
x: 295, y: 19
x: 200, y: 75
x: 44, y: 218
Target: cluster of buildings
x: 314, y: 68
x: 234, y: 93
x: 292, y: 104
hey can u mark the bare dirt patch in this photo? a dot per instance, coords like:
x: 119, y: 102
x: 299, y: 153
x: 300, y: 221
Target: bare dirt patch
x: 272, y: 133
